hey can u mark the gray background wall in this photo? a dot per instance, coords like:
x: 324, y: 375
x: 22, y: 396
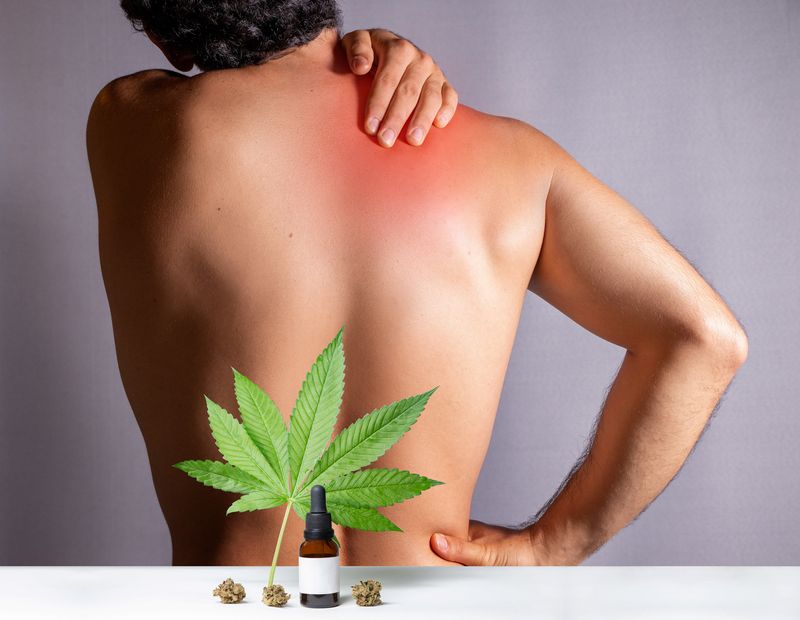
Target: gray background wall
x: 689, y: 109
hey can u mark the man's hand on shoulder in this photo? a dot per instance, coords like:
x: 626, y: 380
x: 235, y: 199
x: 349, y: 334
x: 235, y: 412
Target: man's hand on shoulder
x: 407, y: 80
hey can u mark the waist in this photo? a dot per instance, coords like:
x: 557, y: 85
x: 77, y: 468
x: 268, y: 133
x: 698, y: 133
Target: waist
x: 248, y: 539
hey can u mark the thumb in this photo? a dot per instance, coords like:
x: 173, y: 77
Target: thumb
x: 457, y: 550
x: 358, y: 45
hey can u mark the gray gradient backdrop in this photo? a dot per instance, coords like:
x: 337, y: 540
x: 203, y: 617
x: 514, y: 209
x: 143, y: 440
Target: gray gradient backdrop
x: 689, y: 109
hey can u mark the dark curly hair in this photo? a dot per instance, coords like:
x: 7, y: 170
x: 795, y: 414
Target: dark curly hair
x: 225, y: 34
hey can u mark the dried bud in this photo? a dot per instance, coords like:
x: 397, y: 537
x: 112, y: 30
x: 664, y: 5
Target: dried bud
x: 229, y: 592
x: 367, y: 593
x: 275, y: 596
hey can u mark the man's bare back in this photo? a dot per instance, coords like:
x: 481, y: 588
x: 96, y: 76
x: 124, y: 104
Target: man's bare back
x: 245, y: 217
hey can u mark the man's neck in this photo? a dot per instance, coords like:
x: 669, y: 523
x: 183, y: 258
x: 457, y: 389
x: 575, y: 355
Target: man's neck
x: 324, y: 52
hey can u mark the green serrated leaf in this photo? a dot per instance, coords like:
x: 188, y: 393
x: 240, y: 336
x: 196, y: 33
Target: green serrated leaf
x: 356, y: 517
x: 367, y: 439
x: 375, y: 487
x: 263, y: 422
x: 238, y: 448
x: 221, y: 476
x: 315, y: 411
x: 257, y: 500
x: 361, y: 518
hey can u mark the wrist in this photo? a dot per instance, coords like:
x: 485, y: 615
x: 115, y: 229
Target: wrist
x: 562, y: 542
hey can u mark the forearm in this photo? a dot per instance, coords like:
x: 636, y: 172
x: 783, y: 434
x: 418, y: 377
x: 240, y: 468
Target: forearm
x: 654, y: 413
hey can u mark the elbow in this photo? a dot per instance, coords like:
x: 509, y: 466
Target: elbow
x: 721, y: 337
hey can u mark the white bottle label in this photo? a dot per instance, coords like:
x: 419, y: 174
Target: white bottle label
x: 318, y: 575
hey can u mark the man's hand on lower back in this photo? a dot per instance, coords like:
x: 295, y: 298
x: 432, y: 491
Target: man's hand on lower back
x: 489, y: 545
x: 407, y: 80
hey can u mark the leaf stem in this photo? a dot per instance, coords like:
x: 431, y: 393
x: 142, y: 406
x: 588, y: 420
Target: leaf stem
x: 278, y: 544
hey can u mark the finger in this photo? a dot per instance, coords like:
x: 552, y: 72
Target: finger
x: 358, y: 45
x: 406, y: 98
x: 456, y: 550
x: 430, y: 102
x: 393, y: 60
x: 449, y: 105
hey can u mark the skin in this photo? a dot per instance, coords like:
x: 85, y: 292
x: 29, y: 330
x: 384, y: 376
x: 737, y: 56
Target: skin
x: 226, y: 241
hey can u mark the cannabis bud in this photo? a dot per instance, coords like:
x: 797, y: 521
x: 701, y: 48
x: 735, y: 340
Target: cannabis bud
x: 367, y: 593
x: 275, y: 596
x: 229, y: 592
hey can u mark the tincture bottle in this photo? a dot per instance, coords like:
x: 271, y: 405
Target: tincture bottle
x: 318, y: 564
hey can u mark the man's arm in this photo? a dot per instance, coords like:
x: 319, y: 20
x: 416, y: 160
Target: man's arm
x: 604, y: 265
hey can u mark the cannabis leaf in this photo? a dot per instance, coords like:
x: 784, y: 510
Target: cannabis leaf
x: 271, y: 466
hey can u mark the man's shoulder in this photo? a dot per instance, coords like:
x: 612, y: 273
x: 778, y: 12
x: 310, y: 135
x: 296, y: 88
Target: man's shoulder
x: 132, y: 106
x: 128, y: 89
x: 514, y: 141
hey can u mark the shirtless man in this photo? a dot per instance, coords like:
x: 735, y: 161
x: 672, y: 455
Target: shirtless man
x: 245, y: 216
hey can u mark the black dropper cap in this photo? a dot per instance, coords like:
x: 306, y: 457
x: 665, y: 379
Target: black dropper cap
x: 318, y: 519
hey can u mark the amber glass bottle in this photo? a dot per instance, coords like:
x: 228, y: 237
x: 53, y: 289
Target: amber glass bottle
x: 318, y: 562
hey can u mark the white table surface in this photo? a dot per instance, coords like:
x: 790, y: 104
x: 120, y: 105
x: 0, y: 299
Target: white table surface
x: 618, y: 593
